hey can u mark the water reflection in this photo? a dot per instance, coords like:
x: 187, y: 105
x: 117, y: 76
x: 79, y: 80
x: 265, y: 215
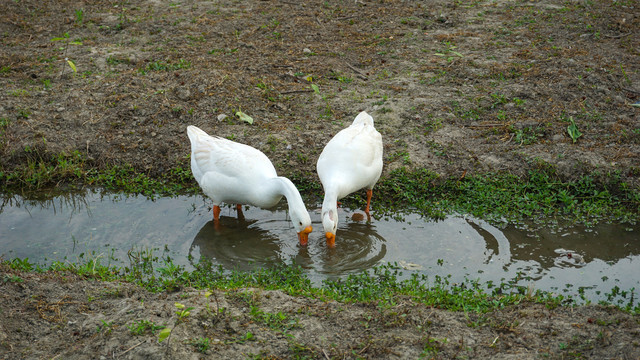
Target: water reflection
x: 250, y: 244
x: 361, y: 247
x: 66, y: 202
x: 549, y: 247
x: 492, y: 242
x: 67, y: 225
x: 358, y: 246
x: 236, y: 244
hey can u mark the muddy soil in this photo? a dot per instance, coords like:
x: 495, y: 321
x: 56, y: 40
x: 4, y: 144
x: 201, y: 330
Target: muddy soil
x: 453, y: 86
x: 56, y: 316
x: 457, y: 87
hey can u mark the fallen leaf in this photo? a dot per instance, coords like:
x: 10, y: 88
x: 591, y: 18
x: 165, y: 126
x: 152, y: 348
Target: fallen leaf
x: 164, y: 334
x: 244, y: 117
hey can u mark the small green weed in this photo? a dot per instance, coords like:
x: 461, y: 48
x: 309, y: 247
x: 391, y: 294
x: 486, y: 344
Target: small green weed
x: 573, y: 131
x: 19, y: 93
x: 201, y: 344
x: 242, y: 339
x: 67, y: 41
x: 12, y: 278
x: 21, y: 264
x: 432, y: 125
x: 79, y: 16
x: 105, y: 327
x: 301, y: 351
x: 4, y: 124
x: 432, y: 346
x: 381, y: 101
x: 267, y: 91
x: 141, y: 327
x: 115, y: 60
x: 404, y: 155
x: 183, y: 313
x: 448, y: 51
x: 278, y: 321
x: 23, y: 113
x: 526, y: 136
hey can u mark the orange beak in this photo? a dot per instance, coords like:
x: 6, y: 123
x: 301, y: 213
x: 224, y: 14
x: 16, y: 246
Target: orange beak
x: 331, y: 239
x: 303, y: 236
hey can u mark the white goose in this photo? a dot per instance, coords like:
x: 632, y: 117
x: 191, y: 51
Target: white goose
x: 350, y: 161
x: 231, y: 172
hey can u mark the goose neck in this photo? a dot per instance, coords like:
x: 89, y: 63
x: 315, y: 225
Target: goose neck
x: 285, y: 187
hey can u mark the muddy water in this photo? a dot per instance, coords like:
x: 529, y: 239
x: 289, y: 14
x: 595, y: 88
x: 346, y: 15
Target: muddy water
x: 71, y: 227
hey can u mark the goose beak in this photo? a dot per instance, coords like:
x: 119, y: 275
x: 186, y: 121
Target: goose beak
x: 303, y: 236
x: 331, y: 239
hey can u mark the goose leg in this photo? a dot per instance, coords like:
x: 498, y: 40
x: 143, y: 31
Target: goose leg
x: 216, y: 213
x: 369, y: 194
x: 239, y: 210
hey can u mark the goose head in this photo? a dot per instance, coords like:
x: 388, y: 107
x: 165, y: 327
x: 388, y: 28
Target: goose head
x: 330, y: 225
x: 302, y: 223
x: 297, y: 210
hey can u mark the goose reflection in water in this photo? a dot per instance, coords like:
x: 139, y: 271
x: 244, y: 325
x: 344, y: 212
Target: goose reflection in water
x: 360, y: 248
x: 251, y: 244
x: 237, y: 244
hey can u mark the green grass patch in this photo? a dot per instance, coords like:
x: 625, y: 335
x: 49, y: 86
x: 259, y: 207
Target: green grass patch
x: 506, y: 197
x: 75, y: 171
x: 160, y: 65
x: 498, y: 198
x: 384, y: 285
x: 275, y: 321
x: 142, y: 327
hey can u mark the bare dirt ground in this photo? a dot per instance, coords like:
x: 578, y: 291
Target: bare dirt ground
x: 51, y: 316
x: 454, y: 86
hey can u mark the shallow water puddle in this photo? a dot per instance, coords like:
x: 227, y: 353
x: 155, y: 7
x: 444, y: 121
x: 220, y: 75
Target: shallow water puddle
x: 108, y: 226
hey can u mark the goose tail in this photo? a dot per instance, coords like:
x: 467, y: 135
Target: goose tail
x: 363, y: 118
x: 195, y: 134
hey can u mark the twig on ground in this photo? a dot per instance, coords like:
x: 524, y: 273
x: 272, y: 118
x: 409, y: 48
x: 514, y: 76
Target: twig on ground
x: 617, y: 36
x: 295, y: 91
x: 356, y: 70
x: 485, y: 125
x: 494, y: 341
x: 325, y: 355
x: 133, y: 347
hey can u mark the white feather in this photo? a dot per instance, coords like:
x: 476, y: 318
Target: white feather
x: 351, y: 160
x: 234, y: 173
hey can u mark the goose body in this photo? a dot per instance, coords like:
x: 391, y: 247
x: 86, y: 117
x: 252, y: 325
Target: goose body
x: 350, y: 161
x: 230, y: 172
